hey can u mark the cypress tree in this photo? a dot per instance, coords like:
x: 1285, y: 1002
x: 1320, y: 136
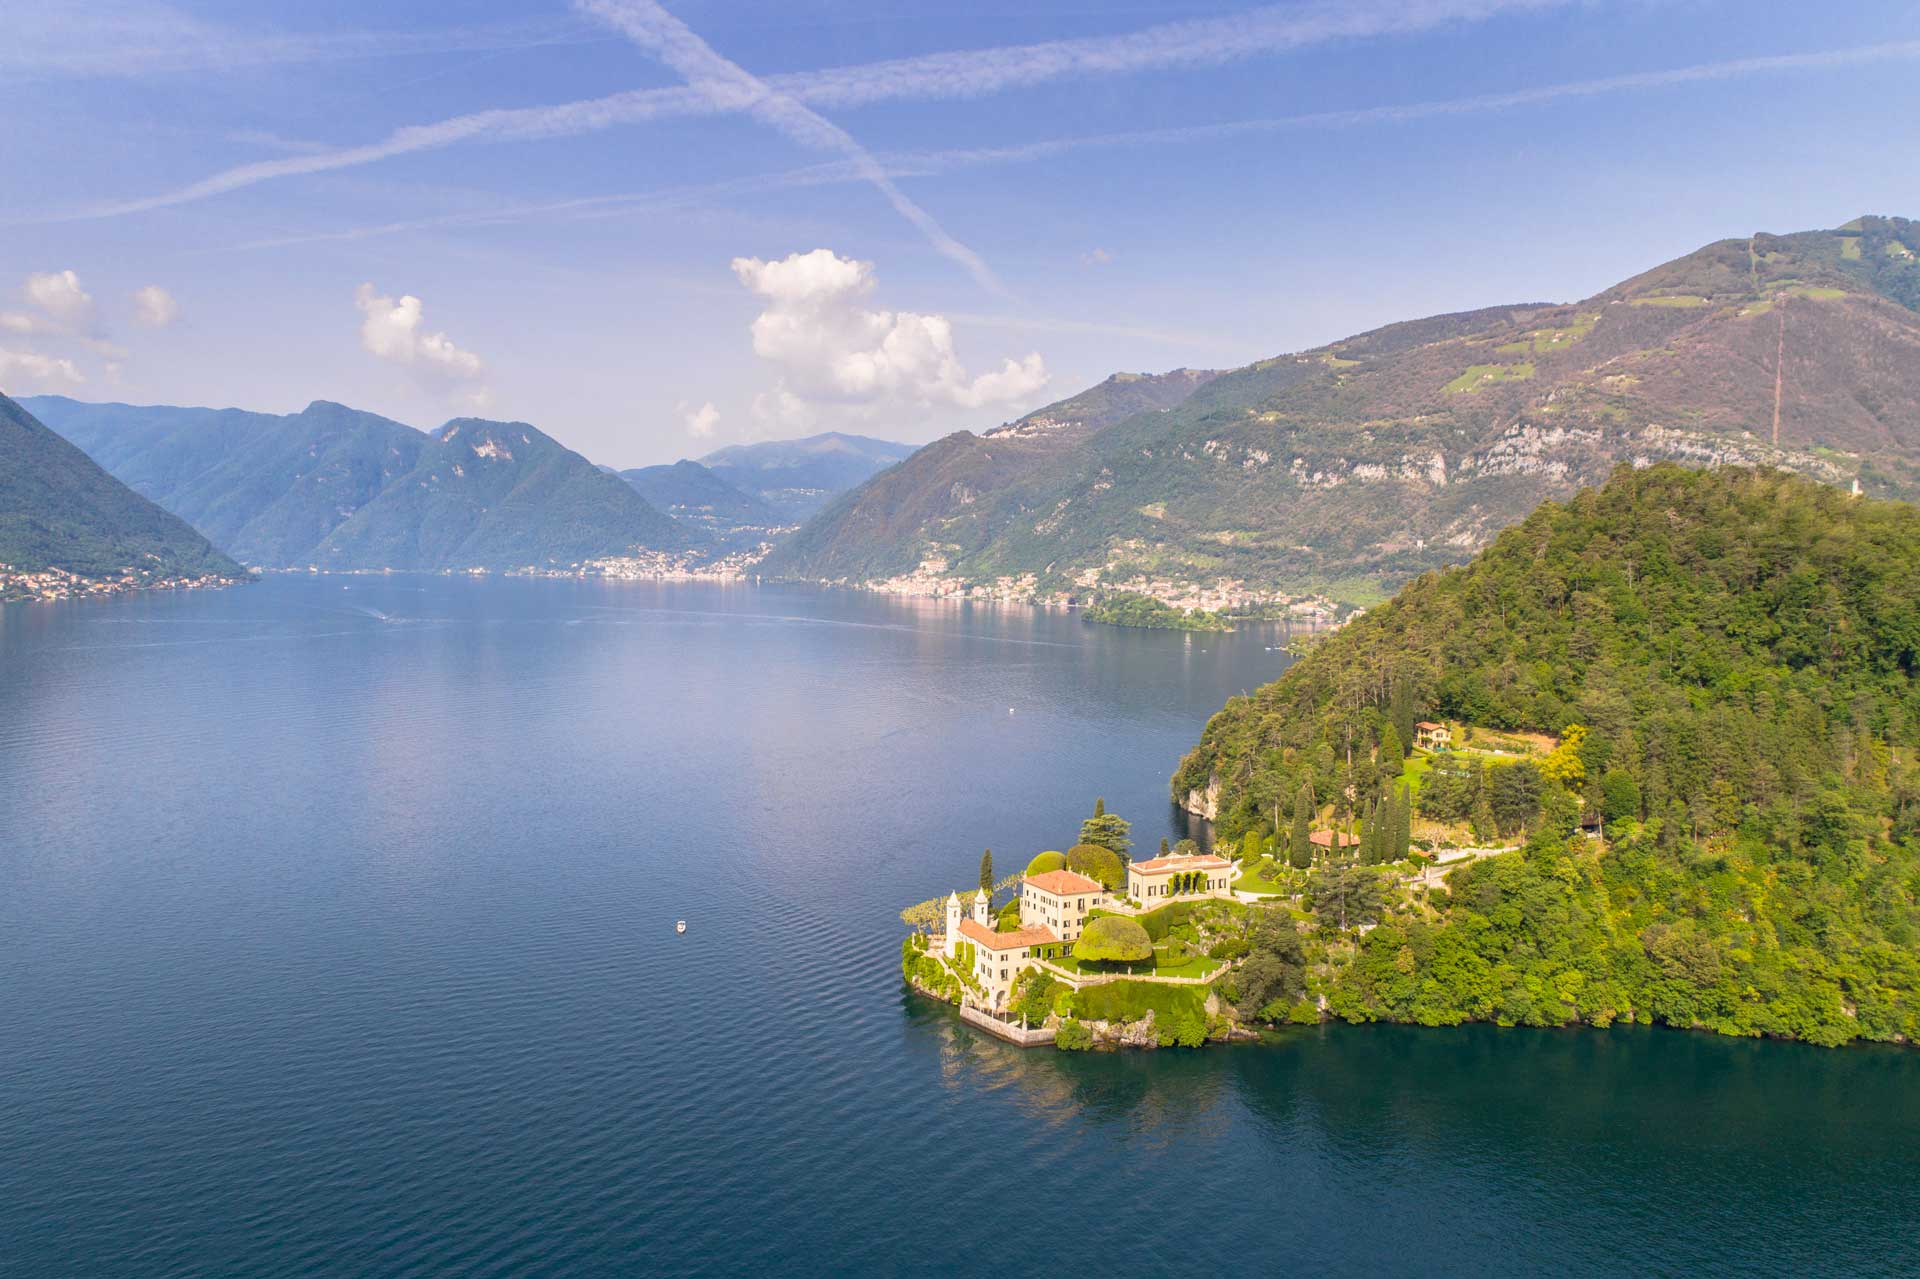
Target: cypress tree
x: 1370, y: 834
x: 1405, y: 849
x: 1392, y: 753
x: 1300, y: 854
x: 1400, y: 709
x: 986, y: 873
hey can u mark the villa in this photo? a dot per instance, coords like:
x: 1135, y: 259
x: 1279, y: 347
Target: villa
x: 1331, y: 839
x: 1428, y: 735
x: 1060, y: 900
x: 1180, y: 875
x: 997, y: 958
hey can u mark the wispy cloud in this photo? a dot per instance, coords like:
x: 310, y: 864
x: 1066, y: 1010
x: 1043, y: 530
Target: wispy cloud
x: 82, y: 39
x: 934, y: 163
x: 724, y: 82
x: 940, y: 76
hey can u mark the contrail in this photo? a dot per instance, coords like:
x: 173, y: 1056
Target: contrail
x: 939, y: 76
x: 922, y: 164
x: 724, y: 82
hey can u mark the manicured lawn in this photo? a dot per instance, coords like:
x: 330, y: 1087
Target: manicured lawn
x: 1198, y: 966
x: 1130, y: 1000
x: 1267, y: 877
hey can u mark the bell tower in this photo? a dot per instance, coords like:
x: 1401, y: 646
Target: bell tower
x: 953, y: 924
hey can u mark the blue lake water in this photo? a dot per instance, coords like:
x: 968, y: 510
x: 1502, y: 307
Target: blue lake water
x: 336, y: 938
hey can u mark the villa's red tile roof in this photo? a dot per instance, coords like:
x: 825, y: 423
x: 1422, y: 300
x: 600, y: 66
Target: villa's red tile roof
x: 979, y: 932
x: 1197, y: 861
x: 1427, y: 723
x: 1064, y: 883
x: 1324, y: 838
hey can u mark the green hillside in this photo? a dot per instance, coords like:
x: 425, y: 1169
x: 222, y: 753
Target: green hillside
x: 268, y: 487
x: 1740, y: 652
x: 498, y: 495
x: 1361, y: 464
x: 337, y: 487
x: 59, y: 509
x: 696, y: 496
x: 796, y: 478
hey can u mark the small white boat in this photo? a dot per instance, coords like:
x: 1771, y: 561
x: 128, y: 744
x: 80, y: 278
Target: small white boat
x: 679, y: 925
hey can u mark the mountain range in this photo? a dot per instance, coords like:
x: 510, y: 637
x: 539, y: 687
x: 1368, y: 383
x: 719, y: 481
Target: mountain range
x: 796, y: 478
x: 60, y: 510
x: 338, y: 488
x: 695, y: 495
x: 1352, y: 467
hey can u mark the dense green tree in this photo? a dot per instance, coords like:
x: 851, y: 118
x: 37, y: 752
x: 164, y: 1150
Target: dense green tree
x: 1044, y: 862
x: 1347, y: 893
x: 1300, y: 848
x: 1400, y: 709
x: 1106, y: 830
x: 1619, y: 795
x: 986, y: 873
x: 1393, y: 753
x: 1113, y: 939
x: 1515, y: 795
x: 1273, y: 976
x: 1098, y: 862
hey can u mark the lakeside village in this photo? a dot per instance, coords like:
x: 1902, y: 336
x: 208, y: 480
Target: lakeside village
x: 1089, y: 949
x: 48, y: 584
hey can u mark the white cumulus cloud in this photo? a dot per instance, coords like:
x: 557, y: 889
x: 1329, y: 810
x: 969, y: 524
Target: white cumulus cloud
x: 394, y: 330
x: 27, y: 371
x: 59, y: 295
x: 832, y: 347
x: 701, y: 421
x: 154, y: 307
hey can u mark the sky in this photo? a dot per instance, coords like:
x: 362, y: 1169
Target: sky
x: 656, y: 229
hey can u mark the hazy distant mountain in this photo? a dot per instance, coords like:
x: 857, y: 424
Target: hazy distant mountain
x: 798, y: 477
x: 697, y: 496
x: 1360, y: 464
x: 59, y: 509
x: 334, y: 486
x: 498, y: 495
x: 267, y: 487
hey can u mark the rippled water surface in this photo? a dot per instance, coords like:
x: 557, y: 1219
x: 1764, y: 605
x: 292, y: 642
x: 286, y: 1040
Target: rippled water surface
x: 336, y: 937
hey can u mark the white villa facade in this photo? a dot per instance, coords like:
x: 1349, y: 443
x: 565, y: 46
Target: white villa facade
x: 1060, y: 900
x: 997, y: 958
x: 1179, y: 876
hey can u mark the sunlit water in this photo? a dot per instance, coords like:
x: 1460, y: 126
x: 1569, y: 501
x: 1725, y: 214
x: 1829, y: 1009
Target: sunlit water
x: 336, y: 937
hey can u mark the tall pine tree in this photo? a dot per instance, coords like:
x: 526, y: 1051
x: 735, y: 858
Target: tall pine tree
x: 986, y: 872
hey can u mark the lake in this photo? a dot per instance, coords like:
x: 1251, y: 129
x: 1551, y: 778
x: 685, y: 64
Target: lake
x: 336, y: 938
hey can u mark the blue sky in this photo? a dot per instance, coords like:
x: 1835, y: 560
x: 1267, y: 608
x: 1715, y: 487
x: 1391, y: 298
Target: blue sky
x: 653, y: 230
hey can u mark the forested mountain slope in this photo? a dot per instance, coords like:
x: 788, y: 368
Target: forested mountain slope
x: 59, y: 509
x: 1357, y: 465
x: 798, y: 477
x: 1741, y: 650
x: 498, y: 495
x: 341, y: 488
x: 267, y: 487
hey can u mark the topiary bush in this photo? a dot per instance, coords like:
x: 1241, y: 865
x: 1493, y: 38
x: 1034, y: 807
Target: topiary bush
x: 1050, y: 860
x: 1098, y: 863
x: 1113, y: 939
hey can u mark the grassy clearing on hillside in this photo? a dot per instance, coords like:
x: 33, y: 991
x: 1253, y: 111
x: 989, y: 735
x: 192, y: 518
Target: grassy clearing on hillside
x: 1680, y: 300
x: 1850, y: 247
x: 1479, y: 375
x: 1546, y: 341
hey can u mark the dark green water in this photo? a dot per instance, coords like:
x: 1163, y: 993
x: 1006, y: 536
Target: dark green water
x: 336, y: 938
